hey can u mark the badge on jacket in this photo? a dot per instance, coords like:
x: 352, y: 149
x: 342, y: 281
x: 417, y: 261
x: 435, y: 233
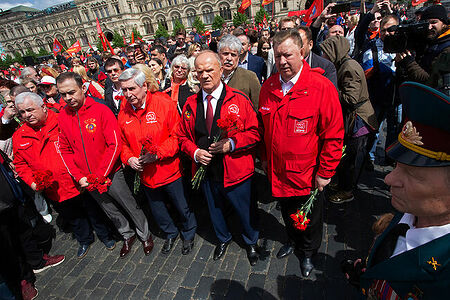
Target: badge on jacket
x: 150, y: 117
x: 233, y: 109
x: 301, y: 126
x: 90, y: 125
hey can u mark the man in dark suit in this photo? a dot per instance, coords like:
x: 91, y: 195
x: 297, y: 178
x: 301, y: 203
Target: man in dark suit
x: 314, y: 60
x: 249, y: 61
x: 244, y: 80
x: 114, y: 67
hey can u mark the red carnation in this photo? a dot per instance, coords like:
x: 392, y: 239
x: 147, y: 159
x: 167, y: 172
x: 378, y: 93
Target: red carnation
x: 120, y: 98
x: 43, y: 179
x: 98, y: 183
x: 148, y: 145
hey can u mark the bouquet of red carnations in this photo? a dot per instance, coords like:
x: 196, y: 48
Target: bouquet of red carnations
x: 43, y: 179
x: 148, y: 146
x: 230, y: 123
x: 99, y: 183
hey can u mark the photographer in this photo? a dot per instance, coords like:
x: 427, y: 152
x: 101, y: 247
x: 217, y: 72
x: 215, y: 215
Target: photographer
x: 430, y: 67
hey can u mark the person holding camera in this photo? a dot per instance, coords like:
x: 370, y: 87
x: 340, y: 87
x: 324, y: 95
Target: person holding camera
x: 431, y: 68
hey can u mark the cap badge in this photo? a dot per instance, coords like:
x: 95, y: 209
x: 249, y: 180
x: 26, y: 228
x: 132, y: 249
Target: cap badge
x: 411, y: 135
x: 434, y: 263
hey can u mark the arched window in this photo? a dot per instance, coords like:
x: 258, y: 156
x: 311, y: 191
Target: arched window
x: 84, y: 38
x: 225, y: 11
x: 208, y: 15
x: 190, y: 17
x: 162, y: 20
x: 148, y: 26
x: 176, y: 17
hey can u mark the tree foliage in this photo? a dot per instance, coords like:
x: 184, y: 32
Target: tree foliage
x: 239, y: 19
x: 31, y: 53
x: 18, y: 57
x: 117, y: 40
x: 259, y: 17
x: 99, y: 45
x: 9, y: 60
x: 177, y: 26
x: 199, y: 25
x: 161, y: 31
x: 43, y: 52
x: 218, y: 22
x: 137, y: 34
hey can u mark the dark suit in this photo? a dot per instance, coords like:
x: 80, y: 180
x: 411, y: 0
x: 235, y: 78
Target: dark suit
x: 109, y: 101
x: 410, y: 271
x: 316, y: 61
x: 257, y: 65
x: 247, y: 82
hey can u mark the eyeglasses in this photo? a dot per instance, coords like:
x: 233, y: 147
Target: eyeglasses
x: 266, y: 48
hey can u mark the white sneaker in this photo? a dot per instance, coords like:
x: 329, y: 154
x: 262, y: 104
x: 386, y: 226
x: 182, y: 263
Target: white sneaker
x: 47, y: 218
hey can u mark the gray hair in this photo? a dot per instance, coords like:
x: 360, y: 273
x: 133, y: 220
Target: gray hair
x: 230, y: 41
x: 180, y: 60
x: 27, y: 71
x: 29, y: 95
x: 138, y: 75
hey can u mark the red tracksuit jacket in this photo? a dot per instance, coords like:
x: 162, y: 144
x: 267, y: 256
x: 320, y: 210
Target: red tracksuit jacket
x: 38, y: 150
x: 159, y: 119
x: 89, y: 140
x: 303, y: 131
x: 239, y: 164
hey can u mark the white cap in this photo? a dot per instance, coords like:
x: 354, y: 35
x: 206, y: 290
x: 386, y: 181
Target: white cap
x: 48, y: 80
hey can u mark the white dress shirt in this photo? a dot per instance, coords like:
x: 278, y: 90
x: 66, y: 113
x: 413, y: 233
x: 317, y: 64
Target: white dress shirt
x: 416, y: 237
x: 215, y: 98
x: 287, y: 86
x: 116, y: 93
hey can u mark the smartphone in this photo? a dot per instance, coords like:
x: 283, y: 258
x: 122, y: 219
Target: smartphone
x: 340, y: 7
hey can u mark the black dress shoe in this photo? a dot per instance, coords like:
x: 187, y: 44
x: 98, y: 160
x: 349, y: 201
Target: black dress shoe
x: 285, y: 250
x: 168, y: 245
x: 187, y: 247
x: 220, y: 250
x: 306, y: 266
x: 252, y: 254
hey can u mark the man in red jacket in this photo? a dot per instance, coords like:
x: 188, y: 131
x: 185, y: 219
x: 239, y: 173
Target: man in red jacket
x: 229, y: 161
x: 303, y: 136
x: 151, y: 116
x: 90, y: 145
x: 35, y: 146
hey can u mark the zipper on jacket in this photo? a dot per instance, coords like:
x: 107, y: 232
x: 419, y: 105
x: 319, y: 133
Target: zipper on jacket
x: 82, y: 142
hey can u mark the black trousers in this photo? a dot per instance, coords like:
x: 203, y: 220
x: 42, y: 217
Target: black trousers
x: 307, y: 241
x: 351, y: 164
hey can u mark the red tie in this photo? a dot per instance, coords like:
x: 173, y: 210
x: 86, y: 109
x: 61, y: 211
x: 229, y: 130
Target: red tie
x: 209, y: 114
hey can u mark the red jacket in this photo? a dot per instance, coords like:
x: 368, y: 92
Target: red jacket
x: 303, y: 132
x: 238, y: 165
x: 159, y: 119
x: 38, y: 150
x: 89, y: 140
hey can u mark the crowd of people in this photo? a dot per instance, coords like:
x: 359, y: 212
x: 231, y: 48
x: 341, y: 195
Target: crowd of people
x: 191, y: 117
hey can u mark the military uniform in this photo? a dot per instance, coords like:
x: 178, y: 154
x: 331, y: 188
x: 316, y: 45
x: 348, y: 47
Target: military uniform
x: 418, y: 268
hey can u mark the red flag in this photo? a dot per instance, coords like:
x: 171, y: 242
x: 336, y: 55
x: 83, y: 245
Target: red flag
x: 57, y: 47
x: 264, y: 20
x: 124, y: 41
x: 109, y: 45
x: 76, y: 47
x: 417, y: 2
x: 99, y: 29
x: 244, y: 5
x: 265, y: 2
x: 132, y: 37
x: 313, y: 11
x: 90, y: 46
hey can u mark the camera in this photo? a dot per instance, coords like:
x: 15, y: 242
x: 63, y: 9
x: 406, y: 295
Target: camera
x: 408, y: 36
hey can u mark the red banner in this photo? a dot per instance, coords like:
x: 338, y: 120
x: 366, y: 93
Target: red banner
x: 314, y: 11
x: 76, y: 47
x: 57, y: 47
x: 265, y: 2
x: 417, y: 2
x: 244, y: 5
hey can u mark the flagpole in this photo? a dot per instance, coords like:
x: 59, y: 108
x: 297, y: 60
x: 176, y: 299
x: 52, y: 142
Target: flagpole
x: 273, y: 8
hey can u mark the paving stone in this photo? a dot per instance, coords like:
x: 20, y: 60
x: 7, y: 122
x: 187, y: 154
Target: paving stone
x: 236, y: 290
x: 156, y: 285
x: 242, y: 270
x: 203, y: 289
x: 137, y: 294
x: 166, y: 296
x: 113, y: 290
x: 107, y: 280
x: 229, y: 262
x: 144, y: 283
x: 193, y: 274
x: 126, y: 272
x: 175, y: 279
x: 75, y: 288
x: 183, y: 294
x: 98, y: 293
x: 126, y: 291
x: 204, y: 253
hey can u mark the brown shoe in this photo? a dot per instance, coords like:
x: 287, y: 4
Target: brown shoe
x: 126, y: 248
x: 148, y: 245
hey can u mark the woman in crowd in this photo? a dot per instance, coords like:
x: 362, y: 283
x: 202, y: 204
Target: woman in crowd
x: 93, y: 88
x: 194, y: 50
x: 30, y: 84
x: 156, y: 65
x: 93, y: 68
x: 263, y: 51
x: 179, y: 86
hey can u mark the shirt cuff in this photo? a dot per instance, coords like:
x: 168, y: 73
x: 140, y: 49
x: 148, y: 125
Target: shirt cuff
x: 233, y: 146
x: 195, y: 155
x: 5, y: 121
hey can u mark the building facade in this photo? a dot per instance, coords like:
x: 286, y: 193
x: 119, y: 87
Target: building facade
x: 24, y: 28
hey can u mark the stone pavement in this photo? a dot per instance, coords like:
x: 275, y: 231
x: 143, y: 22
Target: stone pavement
x: 102, y: 275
